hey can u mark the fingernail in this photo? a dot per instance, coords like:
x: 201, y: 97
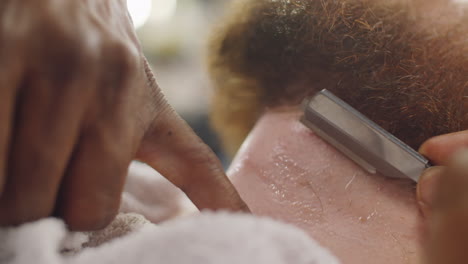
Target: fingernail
x: 427, y: 185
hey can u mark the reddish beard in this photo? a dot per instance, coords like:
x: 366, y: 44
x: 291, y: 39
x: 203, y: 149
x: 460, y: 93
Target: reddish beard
x: 404, y: 68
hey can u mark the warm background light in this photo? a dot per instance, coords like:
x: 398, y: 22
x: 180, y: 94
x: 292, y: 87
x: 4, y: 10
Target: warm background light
x: 152, y: 11
x: 163, y: 10
x: 140, y: 10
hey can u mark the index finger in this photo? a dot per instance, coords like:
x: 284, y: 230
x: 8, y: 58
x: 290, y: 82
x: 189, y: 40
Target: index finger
x: 172, y: 148
x: 441, y: 148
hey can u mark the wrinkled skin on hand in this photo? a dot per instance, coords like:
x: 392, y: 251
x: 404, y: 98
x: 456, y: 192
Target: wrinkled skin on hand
x: 77, y: 104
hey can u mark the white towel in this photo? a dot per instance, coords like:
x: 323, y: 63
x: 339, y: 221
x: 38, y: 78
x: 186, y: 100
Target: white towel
x: 206, y: 238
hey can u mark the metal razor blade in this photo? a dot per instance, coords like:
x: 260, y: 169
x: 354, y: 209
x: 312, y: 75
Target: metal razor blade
x: 360, y: 139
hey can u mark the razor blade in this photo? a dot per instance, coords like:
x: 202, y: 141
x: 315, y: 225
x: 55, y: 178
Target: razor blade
x: 360, y: 139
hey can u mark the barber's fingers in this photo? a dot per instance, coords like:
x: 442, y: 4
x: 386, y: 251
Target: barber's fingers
x: 11, y: 72
x: 448, y: 228
x: 427, y: 186
x: 439, y: 149
x: 45, y: 131
x: 91, y: 189
x: 90, y: 192
x: 173, y: 149
x: 5, y: 127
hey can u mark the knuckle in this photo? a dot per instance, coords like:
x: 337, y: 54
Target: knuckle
x: 120, y: 58
x: 119, y: 69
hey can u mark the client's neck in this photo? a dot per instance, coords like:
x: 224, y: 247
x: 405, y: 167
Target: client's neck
x: 287, y: 172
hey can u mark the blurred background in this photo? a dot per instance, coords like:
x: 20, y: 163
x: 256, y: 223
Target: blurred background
x: 173, y: 34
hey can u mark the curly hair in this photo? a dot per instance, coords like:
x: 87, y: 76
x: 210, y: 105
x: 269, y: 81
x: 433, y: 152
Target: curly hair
x: 404, y: 64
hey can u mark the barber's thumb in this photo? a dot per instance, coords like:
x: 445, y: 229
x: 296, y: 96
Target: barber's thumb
x: 427, y: 186
x: 448, y: 221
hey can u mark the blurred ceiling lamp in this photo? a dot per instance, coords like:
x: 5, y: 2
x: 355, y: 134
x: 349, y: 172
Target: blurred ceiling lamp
x: 140, y: 10
x: 163, y: 10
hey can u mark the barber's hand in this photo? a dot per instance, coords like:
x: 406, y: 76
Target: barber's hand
x: 443, y: 198
x: 439, y: 150
x: 77, y: 104
x: 447, y: 224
